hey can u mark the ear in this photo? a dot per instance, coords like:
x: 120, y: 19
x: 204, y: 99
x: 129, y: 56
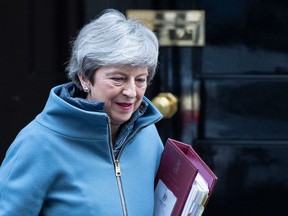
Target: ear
x: 82, y: 79
x: 84, y: 83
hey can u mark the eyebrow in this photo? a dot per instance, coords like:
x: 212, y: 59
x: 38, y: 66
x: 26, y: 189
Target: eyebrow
x: 124, y: 73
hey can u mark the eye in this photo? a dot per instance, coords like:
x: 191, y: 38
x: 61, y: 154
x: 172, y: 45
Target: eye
x: 118, y: 79
x: 141, y: 80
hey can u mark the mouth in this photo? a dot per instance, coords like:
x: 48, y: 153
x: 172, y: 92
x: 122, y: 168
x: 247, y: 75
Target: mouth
x: 125, y: 106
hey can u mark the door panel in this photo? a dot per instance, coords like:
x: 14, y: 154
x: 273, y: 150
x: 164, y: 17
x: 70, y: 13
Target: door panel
x: 252, y: 177
x: 244, y: 109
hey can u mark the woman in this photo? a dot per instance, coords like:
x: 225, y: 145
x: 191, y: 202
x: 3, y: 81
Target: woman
x: 67, y: 160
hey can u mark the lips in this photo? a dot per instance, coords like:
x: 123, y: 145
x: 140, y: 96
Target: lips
x: 125, y: 106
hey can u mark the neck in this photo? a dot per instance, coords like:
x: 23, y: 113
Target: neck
x: 114, y: 131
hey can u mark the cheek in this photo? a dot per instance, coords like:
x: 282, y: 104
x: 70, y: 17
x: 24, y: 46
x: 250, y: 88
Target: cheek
x: 141, y: 91
x: 99, y: 94
x: 106, y: 84
x: 140, y: 95
x: 103, y: 88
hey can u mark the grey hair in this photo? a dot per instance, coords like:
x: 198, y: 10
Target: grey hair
x: 112, y: 39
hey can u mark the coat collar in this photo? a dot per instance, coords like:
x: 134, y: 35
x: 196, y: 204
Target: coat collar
x: 81, y: 119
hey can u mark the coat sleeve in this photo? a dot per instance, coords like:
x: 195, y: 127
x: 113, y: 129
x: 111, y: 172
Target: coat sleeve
x: 24, y: 178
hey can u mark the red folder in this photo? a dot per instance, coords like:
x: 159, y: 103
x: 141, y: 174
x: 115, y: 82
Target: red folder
x: 178, y: 168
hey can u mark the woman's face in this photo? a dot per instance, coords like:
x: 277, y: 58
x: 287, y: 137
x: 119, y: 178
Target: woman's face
x: 121, y: 89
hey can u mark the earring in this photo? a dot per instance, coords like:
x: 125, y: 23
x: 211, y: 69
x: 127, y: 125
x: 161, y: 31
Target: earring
x: 86, y: 89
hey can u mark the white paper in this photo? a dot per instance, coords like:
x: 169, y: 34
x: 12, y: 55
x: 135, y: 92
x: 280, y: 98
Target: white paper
x: 164, y: 200
x: 197, y: 195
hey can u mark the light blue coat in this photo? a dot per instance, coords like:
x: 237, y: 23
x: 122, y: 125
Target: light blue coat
x: 61, y: 164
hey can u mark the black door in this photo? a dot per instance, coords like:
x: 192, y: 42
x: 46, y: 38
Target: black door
x: 34, y: 46
x: 233, y: 100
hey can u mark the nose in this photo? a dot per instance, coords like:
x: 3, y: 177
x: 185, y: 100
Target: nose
x: 129, y: 89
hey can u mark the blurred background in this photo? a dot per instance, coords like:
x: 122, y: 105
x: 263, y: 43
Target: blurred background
x: 227, y: 97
